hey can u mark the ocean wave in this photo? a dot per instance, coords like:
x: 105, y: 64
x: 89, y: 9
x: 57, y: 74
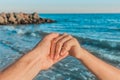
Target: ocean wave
x: 89, y: 41
x: 114, y: 28
x: 83, y: 40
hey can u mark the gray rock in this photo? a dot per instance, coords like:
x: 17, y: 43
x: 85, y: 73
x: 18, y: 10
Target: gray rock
x: 12, y: 19
x: 1, y: 20
x: 22, y: 18
x: 49, y: 21
x: 35, y: 16
x: 4, y: 17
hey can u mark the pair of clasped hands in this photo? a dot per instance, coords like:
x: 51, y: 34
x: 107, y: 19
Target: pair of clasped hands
x: 51, y: 49
x: 55, y: 47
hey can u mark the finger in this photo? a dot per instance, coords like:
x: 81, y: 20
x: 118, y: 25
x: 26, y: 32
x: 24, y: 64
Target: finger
x: 56, y: 43
x: 51, y: 36
x: 62, y: 57
x: 66, y: 47
x: 60, y: 44
x: 53, y: 45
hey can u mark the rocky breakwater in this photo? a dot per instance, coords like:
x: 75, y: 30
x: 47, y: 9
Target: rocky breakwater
x: 22, y: 18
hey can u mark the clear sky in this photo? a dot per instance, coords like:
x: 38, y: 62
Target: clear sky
x: 61, y: 6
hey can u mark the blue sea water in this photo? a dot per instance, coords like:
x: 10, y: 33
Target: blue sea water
x: 98, y: 33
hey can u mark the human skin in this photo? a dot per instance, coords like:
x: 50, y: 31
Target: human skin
x: 28, y: 66
x: 52, y: 49
x: 66, y: 43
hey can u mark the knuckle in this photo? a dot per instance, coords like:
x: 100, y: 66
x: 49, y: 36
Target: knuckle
x: 65, y: 34
x: 74, y: 39
x: 66, y: 45
x: 54, y: 41
x: 69, y: 36
x: 46, y: 39
x: 49, y: 35
x: 59, y: 43
x: 65, y: 48
x: 52, y: 33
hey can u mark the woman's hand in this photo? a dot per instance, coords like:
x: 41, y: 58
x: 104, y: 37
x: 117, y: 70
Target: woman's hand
x: 63, y: 44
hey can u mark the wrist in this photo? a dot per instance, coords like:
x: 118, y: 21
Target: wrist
x: 38, y: 59
x: 80, y: 54
x: 38, y: 52
x: 41, y: 58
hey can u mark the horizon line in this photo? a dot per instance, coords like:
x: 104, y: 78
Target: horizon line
x: 65, y: 12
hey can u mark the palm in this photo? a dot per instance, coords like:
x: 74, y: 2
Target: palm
x: 48, y: 61
x: 44, y: 47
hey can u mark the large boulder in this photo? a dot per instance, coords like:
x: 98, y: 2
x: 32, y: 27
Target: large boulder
x: 35, y: 16
x: 1, y: 20
x: 26, y: 16
x: 5, y: 17
x: 19, y: 18
x: 12, y: 19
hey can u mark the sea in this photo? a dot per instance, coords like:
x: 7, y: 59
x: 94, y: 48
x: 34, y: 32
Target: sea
x: 98, y: 33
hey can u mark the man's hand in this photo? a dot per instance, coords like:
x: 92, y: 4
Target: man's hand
x: 29, y: 65
x: 43, y: 48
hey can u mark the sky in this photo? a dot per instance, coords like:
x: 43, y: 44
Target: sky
x: 61, y: 6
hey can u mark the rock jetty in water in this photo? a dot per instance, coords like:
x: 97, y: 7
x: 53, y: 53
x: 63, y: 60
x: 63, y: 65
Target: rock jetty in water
x: 22, y: 18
